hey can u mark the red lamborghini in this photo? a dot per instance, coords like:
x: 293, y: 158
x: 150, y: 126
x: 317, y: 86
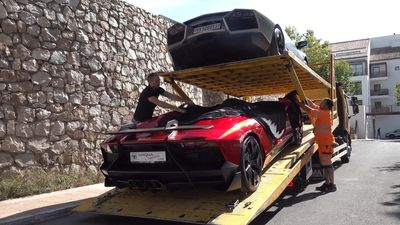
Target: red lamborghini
x: 228, y: 145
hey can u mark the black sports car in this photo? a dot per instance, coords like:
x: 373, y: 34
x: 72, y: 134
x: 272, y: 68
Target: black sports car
x: 228, y: 36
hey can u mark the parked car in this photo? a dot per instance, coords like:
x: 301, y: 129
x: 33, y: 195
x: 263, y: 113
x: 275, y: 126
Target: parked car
x: 228, y: 36
x: 393, y: 134
x: 206, y: 145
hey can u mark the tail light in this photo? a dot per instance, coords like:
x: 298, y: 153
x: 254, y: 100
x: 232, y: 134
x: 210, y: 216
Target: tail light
x: 240, y: 19
x: 176, y: 33
x: 198, y: 144
x: 109, y: 148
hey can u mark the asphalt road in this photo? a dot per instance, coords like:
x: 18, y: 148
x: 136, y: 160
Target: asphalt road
x: 368, y: 193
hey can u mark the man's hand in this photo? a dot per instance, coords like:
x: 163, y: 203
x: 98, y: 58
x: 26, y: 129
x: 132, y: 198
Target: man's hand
x: 302, y: 103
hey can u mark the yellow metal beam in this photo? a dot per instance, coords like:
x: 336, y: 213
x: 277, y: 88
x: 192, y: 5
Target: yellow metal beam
x: 178, y: 89
x: 296, y: 81
x: 333, y: 81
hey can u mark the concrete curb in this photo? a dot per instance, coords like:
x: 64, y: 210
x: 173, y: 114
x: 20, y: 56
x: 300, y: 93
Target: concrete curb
x: 41, y: 216
x: 38, y: 208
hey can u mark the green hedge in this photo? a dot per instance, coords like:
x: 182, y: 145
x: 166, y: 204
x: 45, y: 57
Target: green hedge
x: 37, y: 182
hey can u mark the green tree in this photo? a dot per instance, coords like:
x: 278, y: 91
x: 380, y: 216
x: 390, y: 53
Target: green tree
x: 293, y: 34
x: 398, y: 93
x: 318, y: 52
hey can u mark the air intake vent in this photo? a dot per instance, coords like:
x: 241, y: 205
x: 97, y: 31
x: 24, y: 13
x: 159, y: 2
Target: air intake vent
x: 176, y: 33
x: 241, y: 20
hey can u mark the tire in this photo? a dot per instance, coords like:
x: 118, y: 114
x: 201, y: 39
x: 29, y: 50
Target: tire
x: 346, y: 158
x: 391, y: 136
x: 298, y: 136
x: 251, y: 163
x: 278, y: 42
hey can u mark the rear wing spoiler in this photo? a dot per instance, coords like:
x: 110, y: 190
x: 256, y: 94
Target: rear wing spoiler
x: 166, y: 129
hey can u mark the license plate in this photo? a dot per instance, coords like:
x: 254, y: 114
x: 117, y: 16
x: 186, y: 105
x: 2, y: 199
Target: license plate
x: 210, y: 27
x: 148, y: 157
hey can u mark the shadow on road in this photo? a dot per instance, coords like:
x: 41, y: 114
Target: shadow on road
x: 287, y: 199
x: 396, y: 195
x: 395, y: 202
x: 393, y: 168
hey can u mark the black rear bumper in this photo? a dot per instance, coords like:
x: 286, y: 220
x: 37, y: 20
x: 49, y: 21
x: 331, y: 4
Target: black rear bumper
x: 223, y: 176
x: 206, y: 165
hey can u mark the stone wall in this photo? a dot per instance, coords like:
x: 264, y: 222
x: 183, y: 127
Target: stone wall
x: 70, y: 71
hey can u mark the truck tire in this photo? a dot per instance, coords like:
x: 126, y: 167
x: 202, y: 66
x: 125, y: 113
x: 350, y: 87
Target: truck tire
x: 346, y: 158
x: 298, y: 136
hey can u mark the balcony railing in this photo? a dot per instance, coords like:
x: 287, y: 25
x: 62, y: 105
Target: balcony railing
x: 384, y: 109
x: 379, y: 74
x: 383, y: 91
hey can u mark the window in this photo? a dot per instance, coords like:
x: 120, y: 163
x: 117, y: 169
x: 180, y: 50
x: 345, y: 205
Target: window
x: 358, y: 88
x: 358, y: 69
x: 378, y: 105
x: 397, y: 68
x: 376, y: 70
x: 377, y: 87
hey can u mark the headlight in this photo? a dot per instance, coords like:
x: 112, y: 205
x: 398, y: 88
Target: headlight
x: 198, y: 144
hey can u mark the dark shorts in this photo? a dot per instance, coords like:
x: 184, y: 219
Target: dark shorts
x: 325, y: 155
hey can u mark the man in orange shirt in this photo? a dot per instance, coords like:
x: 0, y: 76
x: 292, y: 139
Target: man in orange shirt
x: 321, y: 119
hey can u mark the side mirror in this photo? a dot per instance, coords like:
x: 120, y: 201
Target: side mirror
x: 301, y: 44
x: 356, y: 110
x: 354, y: 100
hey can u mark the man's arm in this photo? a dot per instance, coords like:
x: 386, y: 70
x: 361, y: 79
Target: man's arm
x: 162, y: 104
x: 305, y: 107
x: 312, y: 104
x: 176, y: 97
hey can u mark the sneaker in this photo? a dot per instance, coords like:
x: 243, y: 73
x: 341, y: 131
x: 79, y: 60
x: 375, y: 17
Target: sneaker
x: 331, y: 188
x: 323, y: 187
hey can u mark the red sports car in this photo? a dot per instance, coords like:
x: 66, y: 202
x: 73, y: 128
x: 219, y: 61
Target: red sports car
x: 228, y: 145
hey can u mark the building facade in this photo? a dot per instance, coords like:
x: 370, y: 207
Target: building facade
x: 376, y: 74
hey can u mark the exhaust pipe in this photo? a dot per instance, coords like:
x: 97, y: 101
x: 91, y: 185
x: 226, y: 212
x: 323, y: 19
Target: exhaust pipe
x: 146, y: 184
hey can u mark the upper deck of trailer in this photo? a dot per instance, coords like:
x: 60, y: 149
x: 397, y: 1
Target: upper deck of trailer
x: 255, y: 77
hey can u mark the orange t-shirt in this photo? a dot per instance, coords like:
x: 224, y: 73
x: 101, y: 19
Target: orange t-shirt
x: 322, y: 122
